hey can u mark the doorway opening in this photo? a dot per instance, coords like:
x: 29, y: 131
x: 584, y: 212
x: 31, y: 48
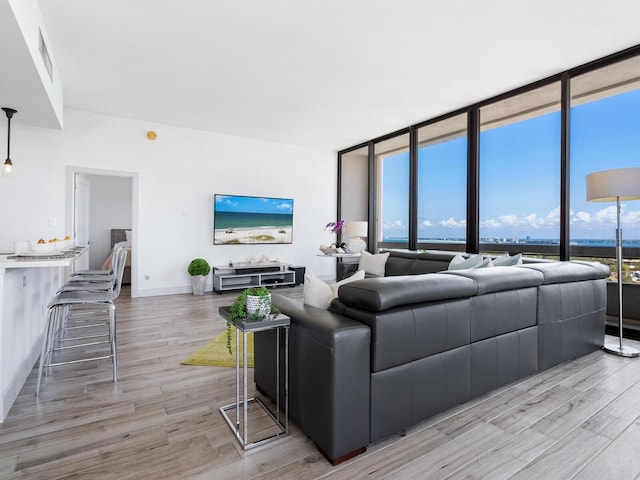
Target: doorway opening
x: 102, y: 208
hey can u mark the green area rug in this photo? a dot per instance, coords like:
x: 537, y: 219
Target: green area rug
x: 215, y: 353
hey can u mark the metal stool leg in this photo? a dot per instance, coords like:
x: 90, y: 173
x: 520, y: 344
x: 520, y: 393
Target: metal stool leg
x: 47, y: 339
x: 112, y: 335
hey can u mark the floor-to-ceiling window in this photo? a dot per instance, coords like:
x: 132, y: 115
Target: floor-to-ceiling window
x: 442, y: 184
x: 392, y: 193
x: 605, y: 134
x: 520, y: 172
x: 499, y: 165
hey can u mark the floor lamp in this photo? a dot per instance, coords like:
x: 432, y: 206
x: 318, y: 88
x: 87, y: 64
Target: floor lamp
x: 614, y: 186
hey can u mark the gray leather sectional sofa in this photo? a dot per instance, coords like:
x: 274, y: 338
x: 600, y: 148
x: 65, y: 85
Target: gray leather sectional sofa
x: 391, y: 352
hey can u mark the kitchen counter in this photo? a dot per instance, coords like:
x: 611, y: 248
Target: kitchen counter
x: 27, y: 285
x: 10, y: 261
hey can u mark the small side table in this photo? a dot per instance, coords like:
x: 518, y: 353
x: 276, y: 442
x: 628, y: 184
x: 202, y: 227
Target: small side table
x: 241, y: 404
x: 340, y: 263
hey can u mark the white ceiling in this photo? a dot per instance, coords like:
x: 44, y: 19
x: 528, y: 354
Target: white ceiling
x: 323, y: 73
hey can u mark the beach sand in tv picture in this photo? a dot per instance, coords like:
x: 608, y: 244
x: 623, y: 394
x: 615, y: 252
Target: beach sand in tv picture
x: 241, y: 220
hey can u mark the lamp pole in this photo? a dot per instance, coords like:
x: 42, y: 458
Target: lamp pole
x: 612, y: 348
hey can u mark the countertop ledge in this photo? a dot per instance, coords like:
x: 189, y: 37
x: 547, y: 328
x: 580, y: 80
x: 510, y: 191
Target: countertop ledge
x: 10, y: 261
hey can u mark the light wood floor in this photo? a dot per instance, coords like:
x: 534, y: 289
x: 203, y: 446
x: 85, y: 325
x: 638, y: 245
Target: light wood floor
x: 161, y: 421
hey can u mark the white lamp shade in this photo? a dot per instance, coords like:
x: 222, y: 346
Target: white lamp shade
x: 356, y: 228
x: 610, y: 185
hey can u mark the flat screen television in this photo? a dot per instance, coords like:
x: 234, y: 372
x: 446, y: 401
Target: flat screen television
x: 241, y: 220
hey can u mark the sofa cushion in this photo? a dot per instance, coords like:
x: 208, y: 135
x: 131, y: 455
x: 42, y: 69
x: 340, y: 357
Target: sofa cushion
x: 498, y: 279
x: 560, y: 272
x: 399, y: 263
x: 373, y: 264
x: 404, y: 334
x: 433, y: 261
x: 377, y: 294
x: 502, y: 312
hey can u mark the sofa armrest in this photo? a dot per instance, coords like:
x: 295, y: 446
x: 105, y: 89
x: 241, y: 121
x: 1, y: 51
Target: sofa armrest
x: 329, y: 375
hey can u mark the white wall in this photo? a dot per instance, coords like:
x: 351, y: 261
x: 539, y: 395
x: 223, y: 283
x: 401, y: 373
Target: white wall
x: 178, y: 174
x: 109, y: 207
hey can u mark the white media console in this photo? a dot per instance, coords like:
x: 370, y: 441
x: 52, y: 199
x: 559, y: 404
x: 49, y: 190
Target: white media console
x: 239, y: 276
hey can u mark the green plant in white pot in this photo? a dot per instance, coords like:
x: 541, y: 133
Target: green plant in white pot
x: 199, y: 270
x: 253, y: 304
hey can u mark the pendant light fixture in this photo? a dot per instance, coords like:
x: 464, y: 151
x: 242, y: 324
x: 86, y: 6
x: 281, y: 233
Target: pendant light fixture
x: 7, y: 168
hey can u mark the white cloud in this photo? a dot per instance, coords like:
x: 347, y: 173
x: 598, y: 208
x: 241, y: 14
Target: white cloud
x: 531, y: 220
x: 553, y: 217
x: 606, y: 215
x: 583, y: 217
x: 508, y: 219
x: 284, y: 206
x: 630, y: 218
x: 491, y: 223
x: 452, y: 223
x: 394, y: 224
x: 427, y: 223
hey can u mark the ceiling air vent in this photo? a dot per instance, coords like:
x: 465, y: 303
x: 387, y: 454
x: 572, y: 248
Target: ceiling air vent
x: 45, y: 56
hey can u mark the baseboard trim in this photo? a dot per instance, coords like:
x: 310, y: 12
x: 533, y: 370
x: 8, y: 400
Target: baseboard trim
x: 17, y: 382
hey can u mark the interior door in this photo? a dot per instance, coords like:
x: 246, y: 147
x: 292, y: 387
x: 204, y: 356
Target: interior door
x: 81, y: 218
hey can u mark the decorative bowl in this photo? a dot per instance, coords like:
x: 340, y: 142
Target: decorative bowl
x: 43, y: 247
x: 62, y: 244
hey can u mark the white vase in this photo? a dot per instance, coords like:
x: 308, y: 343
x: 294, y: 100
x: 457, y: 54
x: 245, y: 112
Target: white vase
x: 259, y: 305
x: 356, y: 245
x: 198, y: 284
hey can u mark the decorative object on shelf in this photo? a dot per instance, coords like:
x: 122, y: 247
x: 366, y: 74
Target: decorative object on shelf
x: 335, y: 227
x: 330, y: 249
x: 263, y: 261
x: 355, y: 230
x: 199, y: 270
x: 260, y: 308
x: 613, y: 186
x: 7, y: 168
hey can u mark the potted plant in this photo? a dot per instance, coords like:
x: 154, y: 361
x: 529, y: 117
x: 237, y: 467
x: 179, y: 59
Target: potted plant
x: 253, y: 304
x: 198, y: 269
x: 336, y: 247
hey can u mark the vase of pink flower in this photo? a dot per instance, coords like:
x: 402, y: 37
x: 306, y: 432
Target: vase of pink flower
x: 335, y: 247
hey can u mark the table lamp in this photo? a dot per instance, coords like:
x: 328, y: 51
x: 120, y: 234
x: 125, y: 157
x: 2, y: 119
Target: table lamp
x: 614, y: 186
x: 355, y: 230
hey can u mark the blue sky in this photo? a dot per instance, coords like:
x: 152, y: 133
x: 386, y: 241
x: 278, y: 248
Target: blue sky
x: 233, y: 203
x: 520, y: 176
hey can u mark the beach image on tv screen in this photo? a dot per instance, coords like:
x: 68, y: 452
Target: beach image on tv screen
x: 249, y: 220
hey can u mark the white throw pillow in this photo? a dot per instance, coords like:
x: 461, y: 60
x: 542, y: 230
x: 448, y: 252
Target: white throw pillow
x: 486, y: 263
x: 507, y: 261
x: 373, y: 264
x: 127, y: 234
x: 359, y: 275
x: 316, y: 292
x: 460, y: 263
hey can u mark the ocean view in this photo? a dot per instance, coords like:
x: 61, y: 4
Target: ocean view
x: 225, y: 220
x: 524, y: 241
